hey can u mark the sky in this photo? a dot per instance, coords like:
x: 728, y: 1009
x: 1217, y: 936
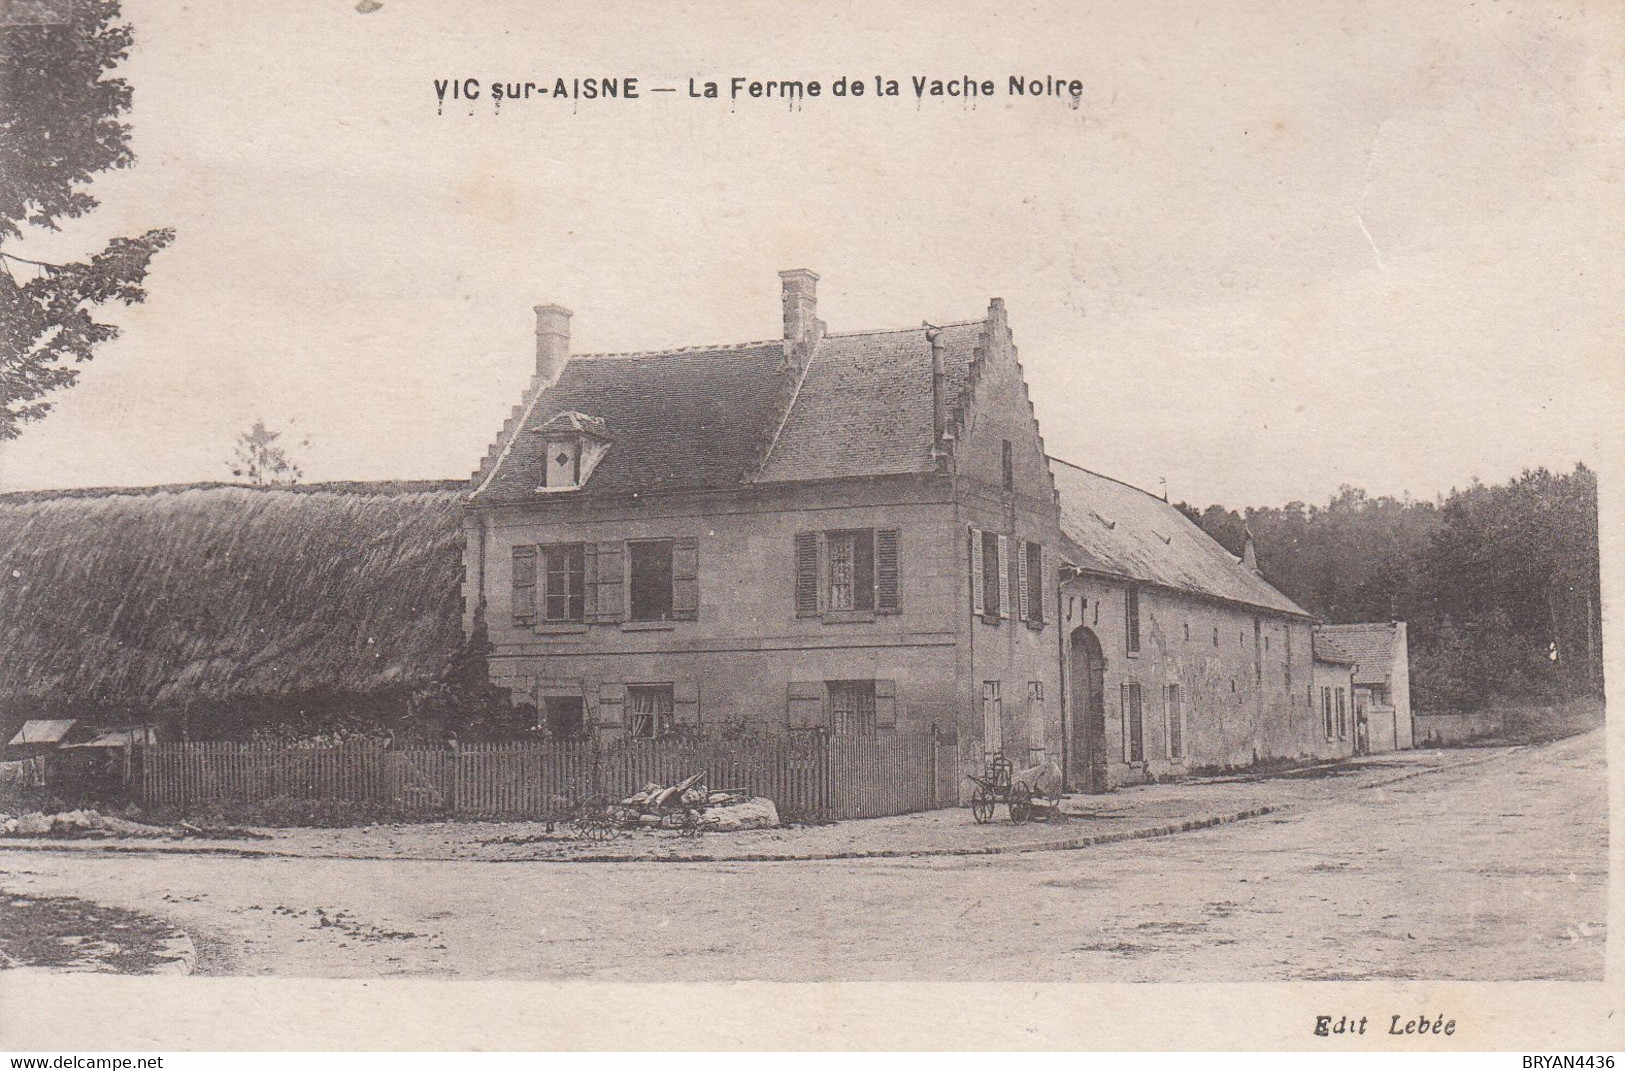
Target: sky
x: 1274, y: 249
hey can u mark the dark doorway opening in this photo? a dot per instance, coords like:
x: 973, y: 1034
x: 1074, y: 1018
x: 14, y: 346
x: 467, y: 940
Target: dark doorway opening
x: 1087, y: 755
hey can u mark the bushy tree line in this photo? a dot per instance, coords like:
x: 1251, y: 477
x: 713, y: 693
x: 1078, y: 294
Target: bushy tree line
x: 1500, y: 584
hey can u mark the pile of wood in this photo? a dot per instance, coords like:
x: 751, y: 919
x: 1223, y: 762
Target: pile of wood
x: 656, y: 805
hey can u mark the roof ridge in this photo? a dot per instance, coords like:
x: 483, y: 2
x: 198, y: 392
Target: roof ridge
x: 1113, y: 479
x: 903, y: 330
x: 717, y: 347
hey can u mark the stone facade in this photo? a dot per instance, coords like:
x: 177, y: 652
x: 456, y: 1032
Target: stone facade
x: 746, y: 645
x: 1215, y: 685
x: 862, y: 534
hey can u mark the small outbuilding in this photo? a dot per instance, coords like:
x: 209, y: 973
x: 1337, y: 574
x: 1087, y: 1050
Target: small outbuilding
x: 1382, y: 680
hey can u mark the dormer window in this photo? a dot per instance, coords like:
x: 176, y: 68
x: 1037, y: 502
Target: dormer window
x: 574, y: 444
x: 563, y: 463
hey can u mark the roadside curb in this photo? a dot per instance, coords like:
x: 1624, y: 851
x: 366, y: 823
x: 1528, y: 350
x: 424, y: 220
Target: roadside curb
x: 1168, y: 829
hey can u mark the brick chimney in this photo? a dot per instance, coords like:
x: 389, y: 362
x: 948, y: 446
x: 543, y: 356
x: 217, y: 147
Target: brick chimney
x: 801, y: 326
x: 552, y: 341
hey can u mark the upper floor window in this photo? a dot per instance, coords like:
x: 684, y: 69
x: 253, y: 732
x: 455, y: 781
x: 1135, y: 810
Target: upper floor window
x: 1032, y: 582
x: 995, y: 574
x: 1005, y: 581
x: 549, y: 582
x: 847, y: 570
x: 563, y: 582
x: 644, y: 580
x: 1131, y: 617
x: 650, y: 565
x: 1007, y: 465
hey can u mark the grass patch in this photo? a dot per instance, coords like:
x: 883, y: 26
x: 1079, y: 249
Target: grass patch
x: 66, y: 933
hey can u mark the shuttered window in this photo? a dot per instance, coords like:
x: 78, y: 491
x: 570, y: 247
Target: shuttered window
x: 992, y: 718
x: 853, y: 570
x: 1131, y: 618
x: 1176, y: 724
x: 1032, y: 583
x: 993, y: 578
x: 1007, y: 584
x: 524, y: 585
x: 1326, y: 713
x: 1133, y: 723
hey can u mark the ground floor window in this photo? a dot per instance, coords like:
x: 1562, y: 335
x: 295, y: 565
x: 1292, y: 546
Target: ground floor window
x: 1176, y: 724
x: 564, y: 717
x: 649, y: 710
x: 1326, y: 713
x: 851, y: 707
x: 1342, y: 715
x: 1133, y: 723
x: 992, y: 718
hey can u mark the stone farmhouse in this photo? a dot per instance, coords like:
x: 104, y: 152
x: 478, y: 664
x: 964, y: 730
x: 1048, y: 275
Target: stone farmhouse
x: 861, y: 533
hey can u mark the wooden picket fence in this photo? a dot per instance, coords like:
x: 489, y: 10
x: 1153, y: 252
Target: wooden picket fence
x: 805, y: 776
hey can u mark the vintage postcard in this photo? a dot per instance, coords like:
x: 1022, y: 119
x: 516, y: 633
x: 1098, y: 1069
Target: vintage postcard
x: 806, y: 526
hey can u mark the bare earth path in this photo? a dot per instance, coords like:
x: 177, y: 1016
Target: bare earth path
x: 1492, y: 871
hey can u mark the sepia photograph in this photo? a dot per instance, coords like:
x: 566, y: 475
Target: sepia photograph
x: 959, y: 526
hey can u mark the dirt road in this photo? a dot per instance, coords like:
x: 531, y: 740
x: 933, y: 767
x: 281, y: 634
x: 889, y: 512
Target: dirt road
x: 1492, y: 871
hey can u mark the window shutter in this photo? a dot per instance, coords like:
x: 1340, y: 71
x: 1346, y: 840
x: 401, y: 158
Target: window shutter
x: 806, y: 574
x: 977, y: 605
x: 888, y: 594
x: 1043, y: 583
x: 610, y: 583
x: 1124, y: 696
x: 685, y: 703
x: 806, y: 704
x: 685, y: 579
x: 611, y: 704
x: 885, y: 704
x: 1004, y: 576
x: 524, y: 585
x: 823, y: 571
x: 1021, y: 581
x: 589, y: 581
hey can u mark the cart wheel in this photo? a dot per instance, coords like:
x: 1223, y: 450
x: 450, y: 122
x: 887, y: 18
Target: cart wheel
x: 1021, y: 803
x: 981, y: 806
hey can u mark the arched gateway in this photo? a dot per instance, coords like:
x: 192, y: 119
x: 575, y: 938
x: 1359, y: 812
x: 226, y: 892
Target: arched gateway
x: 1087, y: 753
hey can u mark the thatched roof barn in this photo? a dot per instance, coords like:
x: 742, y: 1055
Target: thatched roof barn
x: 217, y: 603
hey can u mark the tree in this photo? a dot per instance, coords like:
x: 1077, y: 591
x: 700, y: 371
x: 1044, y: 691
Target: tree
x: 260, y: 460
x: 60, y: 127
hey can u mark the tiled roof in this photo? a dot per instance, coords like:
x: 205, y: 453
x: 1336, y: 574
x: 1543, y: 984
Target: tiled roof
x: 700, y: 418
x: 1327, y: 650
x: 1120, y: 530
x: 1371, y: 644
x: 677, y: 420
x: 864, y: 406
